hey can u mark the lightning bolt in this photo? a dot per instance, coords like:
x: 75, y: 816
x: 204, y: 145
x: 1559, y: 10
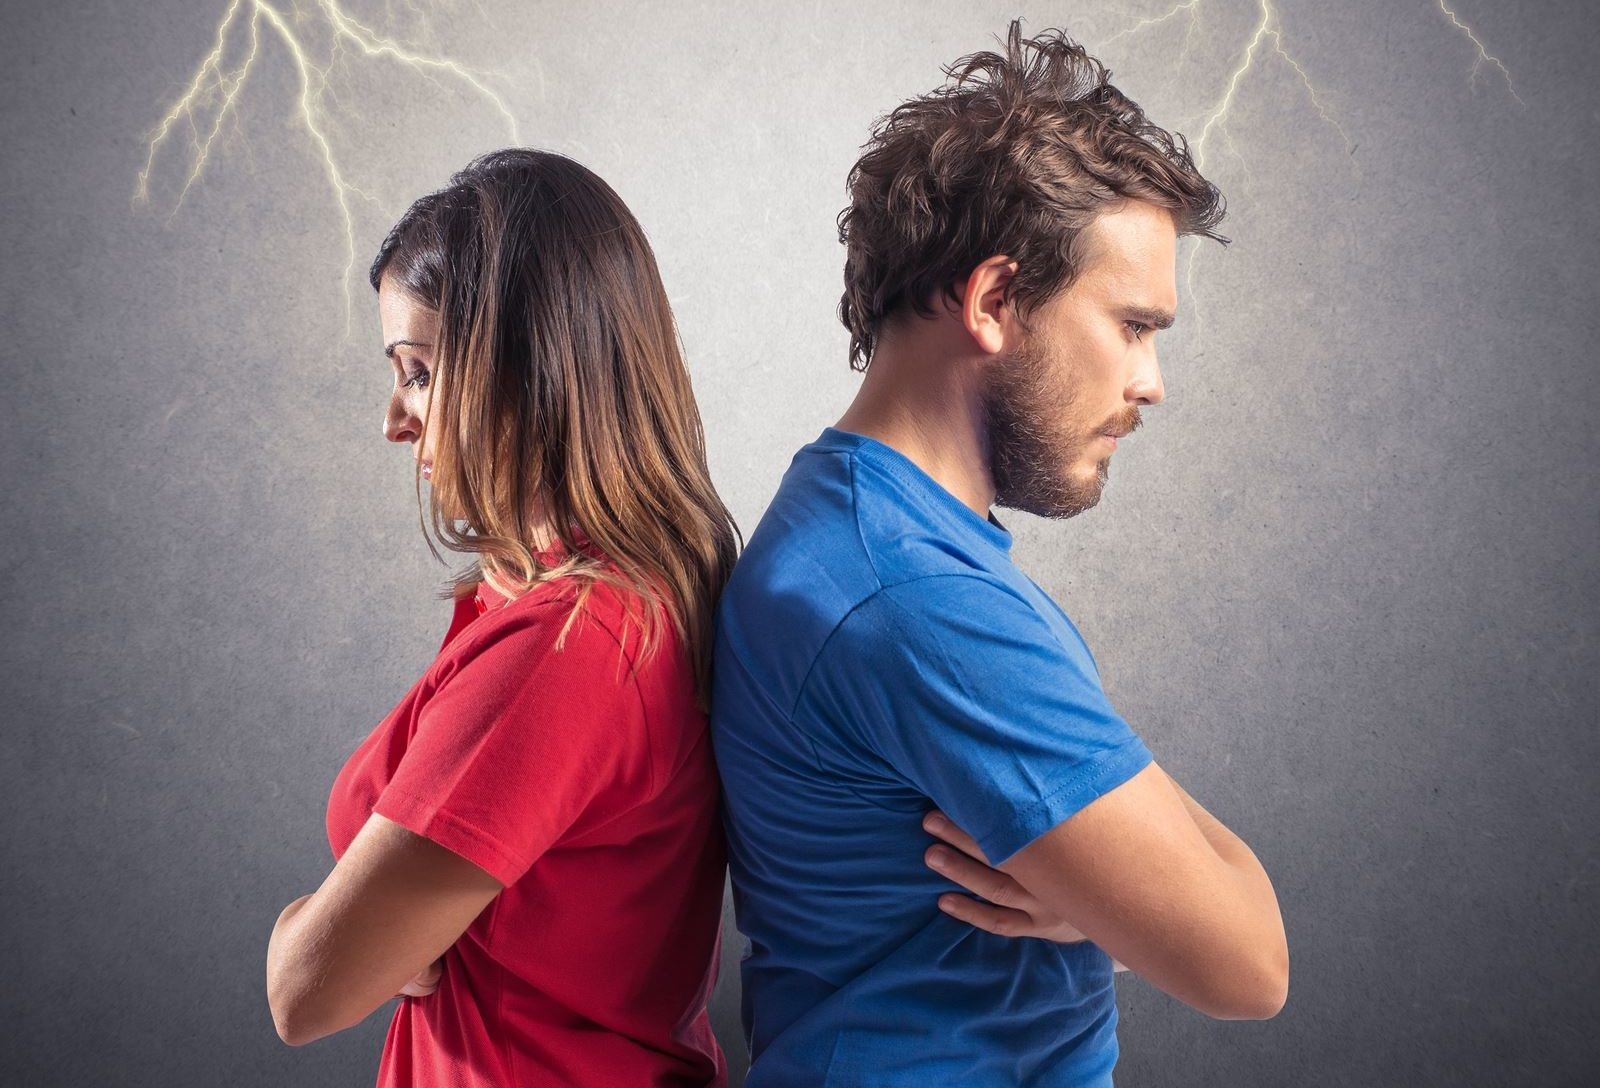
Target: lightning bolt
x: 218, y: 82
x: 1190, y: 6
x: 1267, y: 28
x: 215, y: 88
x: 1219, y: 114
x: 1483, y: 54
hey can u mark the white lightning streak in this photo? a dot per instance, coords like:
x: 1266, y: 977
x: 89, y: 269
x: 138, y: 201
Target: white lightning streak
x: 218, y: 85
x: 1268, y: 27
x: 374, y: 45
x: 1483, y: 54
x: 1146, y: 23
x: 1219, y: 114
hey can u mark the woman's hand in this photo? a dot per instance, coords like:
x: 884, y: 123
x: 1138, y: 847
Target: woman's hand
x: 426, y: 982
x: 1010, y: 911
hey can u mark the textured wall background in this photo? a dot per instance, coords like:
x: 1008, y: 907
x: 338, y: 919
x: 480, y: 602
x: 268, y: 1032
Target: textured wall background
x: 1344, y: 582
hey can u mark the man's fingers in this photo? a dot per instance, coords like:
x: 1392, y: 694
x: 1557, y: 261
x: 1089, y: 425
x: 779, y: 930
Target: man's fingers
x: 426, y: 982
x: 975, y: 876
x: 940, y: 826
x: 1001, y: 921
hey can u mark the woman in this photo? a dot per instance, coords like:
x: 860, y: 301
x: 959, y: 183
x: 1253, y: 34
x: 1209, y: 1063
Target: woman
x: 527, y: 847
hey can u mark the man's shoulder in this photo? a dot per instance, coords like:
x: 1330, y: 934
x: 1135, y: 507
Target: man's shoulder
x: 806, y: 555
x: 935, y: 613
x: 802, y: 568
x: 826, y: 545
x: 843, y: 538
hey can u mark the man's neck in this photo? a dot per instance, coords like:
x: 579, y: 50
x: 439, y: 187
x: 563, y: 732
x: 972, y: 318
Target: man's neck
x: 925, y: 404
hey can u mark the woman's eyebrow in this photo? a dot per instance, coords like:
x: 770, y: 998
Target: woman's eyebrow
x: 388, y: 351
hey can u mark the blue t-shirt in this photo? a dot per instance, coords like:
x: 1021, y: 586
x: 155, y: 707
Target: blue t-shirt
x: 877, y: 655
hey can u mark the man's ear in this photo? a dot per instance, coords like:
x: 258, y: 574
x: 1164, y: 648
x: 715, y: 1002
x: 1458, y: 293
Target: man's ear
x: 984, y: 309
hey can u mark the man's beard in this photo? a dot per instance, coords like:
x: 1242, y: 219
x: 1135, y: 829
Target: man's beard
x: 1032, y: 448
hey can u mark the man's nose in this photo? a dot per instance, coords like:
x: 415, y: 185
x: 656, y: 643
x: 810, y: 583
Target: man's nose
x: 1146, y: 386
x: 399, y: 424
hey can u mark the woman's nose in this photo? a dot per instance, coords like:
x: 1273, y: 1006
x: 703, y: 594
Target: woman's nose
x: 399, y: 425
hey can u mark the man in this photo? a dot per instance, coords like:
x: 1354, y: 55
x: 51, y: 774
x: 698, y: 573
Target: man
x: 884, y: 673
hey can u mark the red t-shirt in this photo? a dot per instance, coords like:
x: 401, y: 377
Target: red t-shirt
x: 586, y: 786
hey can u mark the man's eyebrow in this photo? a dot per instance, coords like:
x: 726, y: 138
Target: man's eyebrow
x: 388, y: 350
x: 1149, y: 315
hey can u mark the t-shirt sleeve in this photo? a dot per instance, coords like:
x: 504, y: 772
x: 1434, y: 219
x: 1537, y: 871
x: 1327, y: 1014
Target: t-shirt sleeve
x: 961, y: 688
x: 519, y: 740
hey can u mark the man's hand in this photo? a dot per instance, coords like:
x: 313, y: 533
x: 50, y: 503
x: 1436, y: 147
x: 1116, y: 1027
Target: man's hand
x: 1010, y: 911
x: 426, y: 982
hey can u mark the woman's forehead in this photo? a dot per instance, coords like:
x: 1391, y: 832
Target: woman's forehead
x: 403, y: 316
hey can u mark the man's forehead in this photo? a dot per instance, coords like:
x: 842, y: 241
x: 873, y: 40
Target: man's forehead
x: 1130, y: 233
x: 1123, y: 253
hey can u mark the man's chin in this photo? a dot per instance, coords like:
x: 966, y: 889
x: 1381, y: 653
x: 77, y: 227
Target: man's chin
x: 1056, y: 506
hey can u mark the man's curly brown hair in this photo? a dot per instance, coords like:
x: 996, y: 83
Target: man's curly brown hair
x: 1014, y: 155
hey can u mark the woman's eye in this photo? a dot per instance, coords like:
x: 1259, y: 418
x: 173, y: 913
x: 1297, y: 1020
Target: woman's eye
x: 419, y: 380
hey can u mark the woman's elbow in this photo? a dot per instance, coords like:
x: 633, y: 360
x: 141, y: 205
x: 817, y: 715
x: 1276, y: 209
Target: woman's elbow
x: 300, y: 1007
x: 288, y: 992
x: 290, y: 1013
x: 290, y: 1032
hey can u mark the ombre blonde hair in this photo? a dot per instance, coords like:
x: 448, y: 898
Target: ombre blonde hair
x: 560, y: 395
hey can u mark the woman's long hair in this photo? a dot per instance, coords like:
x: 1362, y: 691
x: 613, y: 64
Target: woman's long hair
x: 560, y: 393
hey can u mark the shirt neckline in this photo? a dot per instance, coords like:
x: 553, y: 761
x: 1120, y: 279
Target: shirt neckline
x: 904, y: 467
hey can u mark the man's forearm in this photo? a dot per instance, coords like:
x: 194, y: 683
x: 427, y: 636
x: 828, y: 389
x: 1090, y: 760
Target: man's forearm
x: 1243, y: 861
x: 1229, y: 847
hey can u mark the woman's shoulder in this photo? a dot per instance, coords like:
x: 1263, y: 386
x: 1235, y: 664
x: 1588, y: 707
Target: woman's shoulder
x: 579, y: 645
x: 639, y: 624
x: 593, y: 616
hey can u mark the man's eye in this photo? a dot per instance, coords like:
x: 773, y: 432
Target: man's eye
x: 1138, y: 328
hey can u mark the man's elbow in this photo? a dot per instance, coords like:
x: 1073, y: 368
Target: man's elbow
x: 1257, y: 994
x: 1260, y: 1005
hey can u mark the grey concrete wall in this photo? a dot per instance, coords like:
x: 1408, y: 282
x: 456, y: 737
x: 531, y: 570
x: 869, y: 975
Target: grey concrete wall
x: 1343, y: 582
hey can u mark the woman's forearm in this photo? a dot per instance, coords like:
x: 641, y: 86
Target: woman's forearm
x: 393, y: 904
x: 277, y: 956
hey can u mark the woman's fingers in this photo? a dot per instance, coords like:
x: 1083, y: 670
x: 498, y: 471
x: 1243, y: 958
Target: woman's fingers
x: 976, y: 877
x: 940, y: 826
